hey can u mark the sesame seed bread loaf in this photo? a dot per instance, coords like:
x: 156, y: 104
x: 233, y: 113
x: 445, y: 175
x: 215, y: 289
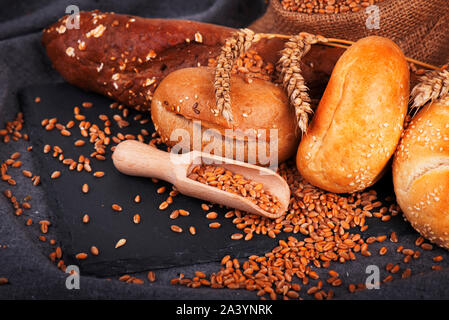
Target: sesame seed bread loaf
x: 359, y: 120
x: 421, y: 173
x: 186, y: 95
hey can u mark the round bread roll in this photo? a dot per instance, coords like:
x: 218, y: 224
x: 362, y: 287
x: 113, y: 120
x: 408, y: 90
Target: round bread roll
x: 359, y: 120
x: 260, y: 110
x: 421, y: 173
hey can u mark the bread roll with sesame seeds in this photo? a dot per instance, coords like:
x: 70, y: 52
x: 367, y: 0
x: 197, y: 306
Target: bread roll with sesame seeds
x: 359, y: 120
x: 259, y: 109
x: 421, y: 173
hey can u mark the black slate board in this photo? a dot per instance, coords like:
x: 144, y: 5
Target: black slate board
x: 151, y: 244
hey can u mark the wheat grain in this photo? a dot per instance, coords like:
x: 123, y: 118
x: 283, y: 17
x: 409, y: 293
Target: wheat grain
x: 326, y: 6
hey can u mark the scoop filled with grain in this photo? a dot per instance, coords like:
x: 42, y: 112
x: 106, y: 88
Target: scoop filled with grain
x: 232, y: 183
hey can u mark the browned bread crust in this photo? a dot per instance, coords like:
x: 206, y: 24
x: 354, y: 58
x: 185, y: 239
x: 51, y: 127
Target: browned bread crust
x: 125, y: 57
x: 359, y: 120
x: 421, y: 173
x: 186, y: 95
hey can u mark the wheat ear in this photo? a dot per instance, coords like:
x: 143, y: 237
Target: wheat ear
x: 434, y: 85
x: 293, y: 82
x: 233, y: 48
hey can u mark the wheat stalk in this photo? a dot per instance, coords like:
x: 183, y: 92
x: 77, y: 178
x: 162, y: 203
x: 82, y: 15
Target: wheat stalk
x: 433, y: 86
x: 293, y: 82
x: 233, y: 48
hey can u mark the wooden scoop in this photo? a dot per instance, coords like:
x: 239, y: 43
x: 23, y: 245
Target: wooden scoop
x: 139, y: 159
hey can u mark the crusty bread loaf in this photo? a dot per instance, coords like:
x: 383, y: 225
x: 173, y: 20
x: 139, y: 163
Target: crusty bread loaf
x: 421, y: 173
x: 125, y: 57
x: 187, y: 94
x: 359, y: 120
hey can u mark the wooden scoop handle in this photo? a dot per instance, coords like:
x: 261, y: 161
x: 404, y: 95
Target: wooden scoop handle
x: 138, y: 159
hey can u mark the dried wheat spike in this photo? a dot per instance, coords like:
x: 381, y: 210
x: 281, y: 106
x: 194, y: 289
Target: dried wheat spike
x: 292, y: 80
x: 434, y: 85
x: 233, y: 48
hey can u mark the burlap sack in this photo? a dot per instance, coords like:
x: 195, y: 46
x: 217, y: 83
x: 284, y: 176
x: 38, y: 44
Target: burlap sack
x: 419, y: 27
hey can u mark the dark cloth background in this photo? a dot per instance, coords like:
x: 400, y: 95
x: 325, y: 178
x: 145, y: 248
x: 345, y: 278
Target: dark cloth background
x: 25, y: 260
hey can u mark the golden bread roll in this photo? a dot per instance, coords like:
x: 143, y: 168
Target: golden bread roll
x: 260, y: 108
x: 421, y: 173
x: 359, y: 120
